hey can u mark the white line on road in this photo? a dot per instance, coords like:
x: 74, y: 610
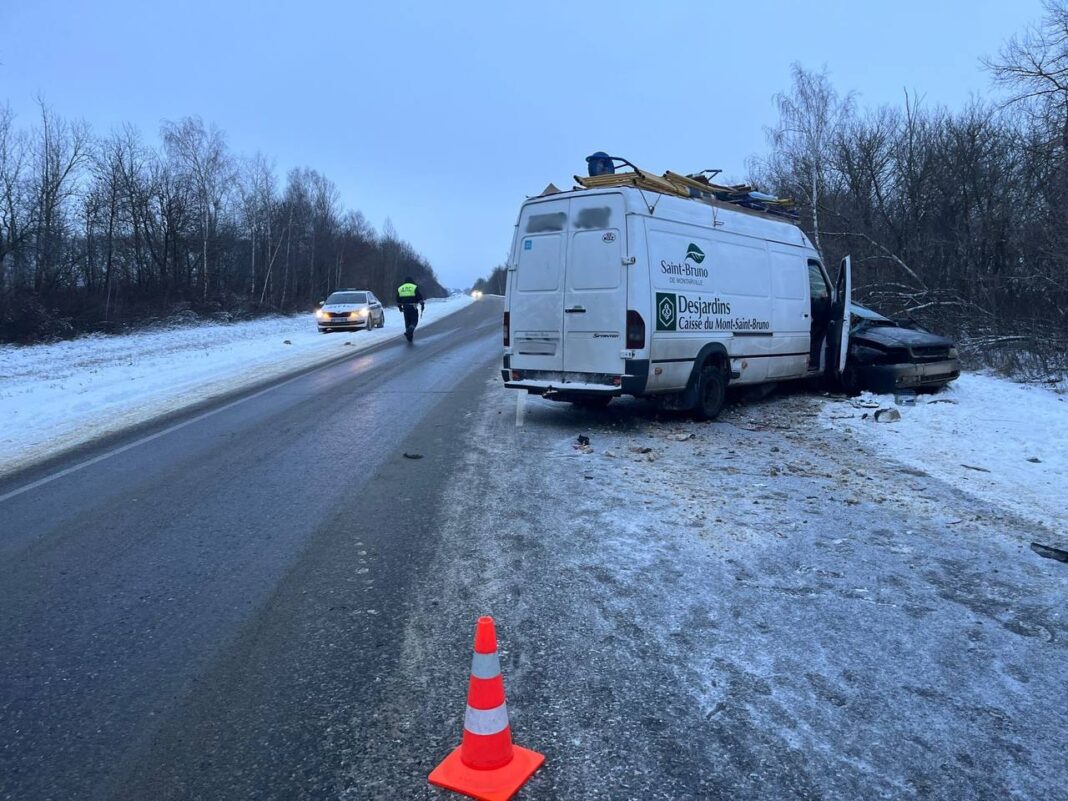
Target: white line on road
x: 520, y: 409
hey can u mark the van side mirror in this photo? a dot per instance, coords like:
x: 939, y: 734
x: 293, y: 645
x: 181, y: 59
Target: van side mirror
x: 320, y: 303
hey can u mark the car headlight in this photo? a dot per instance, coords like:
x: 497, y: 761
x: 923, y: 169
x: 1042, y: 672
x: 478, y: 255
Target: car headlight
x: 320, y: 313
x: 953, y: 353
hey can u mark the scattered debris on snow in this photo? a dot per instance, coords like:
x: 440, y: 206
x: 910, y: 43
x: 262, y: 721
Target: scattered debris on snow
x: 1003, y: 442
x: 1049, y: 552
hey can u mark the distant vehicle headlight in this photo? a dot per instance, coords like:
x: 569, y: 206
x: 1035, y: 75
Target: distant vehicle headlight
x: 476, y: 294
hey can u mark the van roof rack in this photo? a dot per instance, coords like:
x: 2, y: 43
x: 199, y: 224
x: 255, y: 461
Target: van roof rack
x: 696, y: 186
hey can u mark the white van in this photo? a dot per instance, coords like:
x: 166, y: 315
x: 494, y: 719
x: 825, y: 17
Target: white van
x: 623, y: 291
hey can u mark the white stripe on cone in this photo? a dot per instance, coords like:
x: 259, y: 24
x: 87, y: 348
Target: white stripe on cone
x: 485, y: 666
x: 486, y: 721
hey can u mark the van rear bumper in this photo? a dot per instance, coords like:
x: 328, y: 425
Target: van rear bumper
x: 538, y: 382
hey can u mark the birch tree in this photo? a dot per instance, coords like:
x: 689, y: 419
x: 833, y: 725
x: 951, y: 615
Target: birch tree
x: 810, y: 116
x: 200, y: 153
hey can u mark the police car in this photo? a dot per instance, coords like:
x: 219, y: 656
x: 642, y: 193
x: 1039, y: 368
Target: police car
x: 348, y: 309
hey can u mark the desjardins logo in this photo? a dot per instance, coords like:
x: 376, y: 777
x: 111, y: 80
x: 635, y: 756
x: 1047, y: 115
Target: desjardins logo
x: 665, y: 311
x: 695, y: 254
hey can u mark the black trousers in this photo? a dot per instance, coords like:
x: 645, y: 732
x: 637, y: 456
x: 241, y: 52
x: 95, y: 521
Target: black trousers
x: 411, y: 316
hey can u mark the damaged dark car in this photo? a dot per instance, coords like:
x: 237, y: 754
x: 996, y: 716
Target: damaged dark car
x: 885, y: 356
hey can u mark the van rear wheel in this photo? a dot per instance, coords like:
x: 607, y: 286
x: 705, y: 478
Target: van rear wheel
x: 711, y: 393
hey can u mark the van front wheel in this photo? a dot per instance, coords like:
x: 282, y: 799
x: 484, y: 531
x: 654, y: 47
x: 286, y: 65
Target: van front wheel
x: 711, y: 393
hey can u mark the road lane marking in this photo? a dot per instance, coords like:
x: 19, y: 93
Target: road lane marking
x: 520, y: 409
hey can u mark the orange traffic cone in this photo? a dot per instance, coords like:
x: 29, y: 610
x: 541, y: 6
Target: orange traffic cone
x: 486, y: 765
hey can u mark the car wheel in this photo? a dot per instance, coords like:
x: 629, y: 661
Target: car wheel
x: 711, y: 393
x: 850, y: 382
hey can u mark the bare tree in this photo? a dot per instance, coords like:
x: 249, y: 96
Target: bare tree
x: 13, y: 218
x: 98, y: 231
x: 810, y: 117
x: 60, y: 150
x: 1033, y: 66
x: 200, y: 153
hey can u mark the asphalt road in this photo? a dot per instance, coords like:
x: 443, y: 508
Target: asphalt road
x: 271, y: 602
x: 177, y: 619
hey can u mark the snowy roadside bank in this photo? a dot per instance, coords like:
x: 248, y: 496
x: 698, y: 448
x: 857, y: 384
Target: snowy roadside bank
x: 54, y: 397
x: 997, y: 440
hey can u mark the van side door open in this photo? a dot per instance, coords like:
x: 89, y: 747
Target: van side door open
x: 595, y: 287
x: 838, y: 341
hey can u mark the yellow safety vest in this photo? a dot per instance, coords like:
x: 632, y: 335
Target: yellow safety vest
x: 407, y: 290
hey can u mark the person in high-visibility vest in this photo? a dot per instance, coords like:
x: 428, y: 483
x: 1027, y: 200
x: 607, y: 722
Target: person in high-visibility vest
x: 408, y: 295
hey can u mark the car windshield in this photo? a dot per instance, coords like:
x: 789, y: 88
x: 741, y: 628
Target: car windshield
x: 863, y: 323
x: 864, y: 317
x: 347, y: 297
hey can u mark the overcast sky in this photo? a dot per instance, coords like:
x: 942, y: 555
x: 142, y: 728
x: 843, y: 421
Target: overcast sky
x: 443, y: 116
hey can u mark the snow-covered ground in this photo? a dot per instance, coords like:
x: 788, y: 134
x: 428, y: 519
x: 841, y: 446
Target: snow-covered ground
x: 54, y: 397
x: 758, y: 607
x: 1003, y: 442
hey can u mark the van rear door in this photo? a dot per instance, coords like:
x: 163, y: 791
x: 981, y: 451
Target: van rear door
x: 595, y: 286
x: 536, y: 293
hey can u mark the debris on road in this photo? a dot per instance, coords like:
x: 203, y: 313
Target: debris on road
x: 1049, y: 552
x: 582, y: 444
x: 973, y: 467
x: 412, y: 455
x: 887, y: 416
x: 681, y: 437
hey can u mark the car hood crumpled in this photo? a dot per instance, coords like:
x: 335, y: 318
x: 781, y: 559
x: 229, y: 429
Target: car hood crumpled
x: 896, y: 337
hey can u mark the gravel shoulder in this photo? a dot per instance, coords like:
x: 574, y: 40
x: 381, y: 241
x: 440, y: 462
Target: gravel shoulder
x: 757, y: 607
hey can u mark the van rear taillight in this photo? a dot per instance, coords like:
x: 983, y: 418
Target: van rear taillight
x: 506, y: 337
x: 635, y: 330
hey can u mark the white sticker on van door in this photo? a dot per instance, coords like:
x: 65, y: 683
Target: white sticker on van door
x: 676, y: 311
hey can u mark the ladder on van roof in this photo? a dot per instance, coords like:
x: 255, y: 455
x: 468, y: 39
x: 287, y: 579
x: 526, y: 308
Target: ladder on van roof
x: 698, y: 186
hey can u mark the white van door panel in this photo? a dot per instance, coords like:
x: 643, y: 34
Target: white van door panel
x: 841, y: 317
x: 537, y: 288
x: 595, y: 287
x: 845, y: 287
x: 789, y: 313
